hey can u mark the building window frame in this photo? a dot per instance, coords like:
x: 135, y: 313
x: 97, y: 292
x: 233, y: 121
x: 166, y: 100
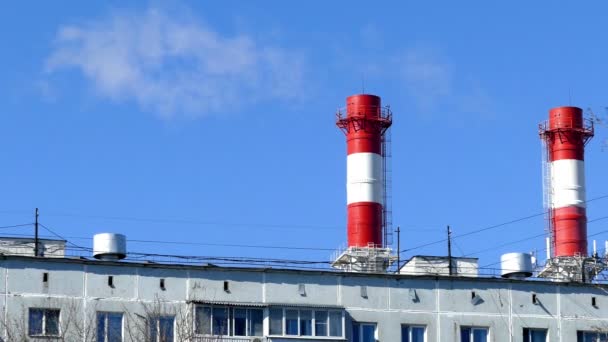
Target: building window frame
x: 360, y: 331
x: 49, y: 317
x: 582, y: 335
x: 206, y: 326
x: 408, y: 330
x: 156, y: 325
x: 528, y: 334
x: 332, y: 322
x: 106, y: 317
x: 471, y: 337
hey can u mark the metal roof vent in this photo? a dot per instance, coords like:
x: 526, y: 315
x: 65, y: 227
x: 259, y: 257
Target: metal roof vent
x: 516, y: 265
x: 109, y: 246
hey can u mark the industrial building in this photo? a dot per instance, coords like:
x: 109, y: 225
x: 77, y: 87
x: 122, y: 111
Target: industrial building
x: 366, y: 296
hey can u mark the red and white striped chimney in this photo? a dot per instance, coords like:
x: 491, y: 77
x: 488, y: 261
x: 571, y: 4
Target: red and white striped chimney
x: 364, y: 123
x: 565, y: 136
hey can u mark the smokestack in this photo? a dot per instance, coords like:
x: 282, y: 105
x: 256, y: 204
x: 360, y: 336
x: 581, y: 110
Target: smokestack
x: 364, y: 122
x: 565, y: 136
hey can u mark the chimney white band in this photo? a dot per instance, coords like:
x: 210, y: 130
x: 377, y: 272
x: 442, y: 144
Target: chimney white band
x: 568, y: 183
x: 364, y: 178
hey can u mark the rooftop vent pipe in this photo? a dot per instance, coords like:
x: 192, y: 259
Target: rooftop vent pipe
x: 516, y: 265
x: 109, y: 246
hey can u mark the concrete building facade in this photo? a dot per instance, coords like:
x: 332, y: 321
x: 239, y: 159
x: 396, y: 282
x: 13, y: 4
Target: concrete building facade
x: 82, y: 299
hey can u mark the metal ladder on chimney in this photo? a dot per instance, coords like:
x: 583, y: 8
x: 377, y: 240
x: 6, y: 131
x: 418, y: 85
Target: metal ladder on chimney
x: 387, y: 207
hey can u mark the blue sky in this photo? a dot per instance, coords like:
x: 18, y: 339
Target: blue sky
x: 213, y: 122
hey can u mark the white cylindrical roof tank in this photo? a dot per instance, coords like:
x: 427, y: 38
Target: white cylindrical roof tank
x: 109, y: 246
x: 516, y: 265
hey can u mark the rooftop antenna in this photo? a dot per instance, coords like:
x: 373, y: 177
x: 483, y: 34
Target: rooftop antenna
x: 450, y: 250
x: 36, y: 252
x: 398, y: 247
x: 362, y: 83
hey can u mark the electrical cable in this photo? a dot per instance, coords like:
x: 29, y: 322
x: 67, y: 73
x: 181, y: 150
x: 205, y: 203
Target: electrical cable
x: 533, y: 237
x: 492, y: 227
x: 229, y: 245
x: 241, y: 260
x: 198, y: 243
x: 66, y: 240
x: 17, y: 225
x: 249, y: 260
x: 280, y: 261
x: 193, y: 222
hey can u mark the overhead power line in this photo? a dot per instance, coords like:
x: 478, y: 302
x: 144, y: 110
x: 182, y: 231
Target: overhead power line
x: 545, y: 249
x: 62, y: 238
x: 491, y: 227
x: 16, y: 225
x: 214, y: 244
x: 532, y: 237
x: 195, y: 222
x: 196, y: 243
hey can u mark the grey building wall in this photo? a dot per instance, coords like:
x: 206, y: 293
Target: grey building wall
x: 442, y: 304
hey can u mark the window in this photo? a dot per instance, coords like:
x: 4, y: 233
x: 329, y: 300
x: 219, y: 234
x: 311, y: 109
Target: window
x: 335, y: 323
x: 591, y: 336
x: 219, y: 320
x: 43, y: 322
x: 364, y: 332
x: 240, y: 322
x: 305, y: 322
x: 109, y: 326
x: 228, y: 321
x: 161, y: 328
x: 535, y: 335
x: 321, y: 318
x: 473, y: 334
x: 291, y: 322
x: 276, y: 321
x: 255, y: 322
x: 412, y: 333
x: 203, y: 320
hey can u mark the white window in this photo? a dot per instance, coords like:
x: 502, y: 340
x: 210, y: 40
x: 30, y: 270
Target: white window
x: 43, y: 322
x: 335, y: 323
x: 227, y: 321
x: 535, y: 335
x: 305, y: 322
x: 161, y: 328
x: 291, y: 322
x: 219, y: 320
x: 591, y: 336
x: 276, y: 321
x: 363, y: 332
x: 109, y: 326
x: 474, y: 334
x: 413, y: 333
x: 248, y: 322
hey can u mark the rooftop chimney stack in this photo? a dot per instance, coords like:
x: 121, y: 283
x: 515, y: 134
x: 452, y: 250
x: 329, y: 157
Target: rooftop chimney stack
x: 565, y: 136
x: 365, y: 122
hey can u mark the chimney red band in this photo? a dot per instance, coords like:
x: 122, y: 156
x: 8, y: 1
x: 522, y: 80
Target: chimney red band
x: 364, y: 123
x: 565, y: 137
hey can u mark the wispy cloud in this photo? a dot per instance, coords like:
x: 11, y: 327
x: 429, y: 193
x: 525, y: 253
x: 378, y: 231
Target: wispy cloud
x: 427, y: 78
x: 175, y: 65
x: 432, y: 81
